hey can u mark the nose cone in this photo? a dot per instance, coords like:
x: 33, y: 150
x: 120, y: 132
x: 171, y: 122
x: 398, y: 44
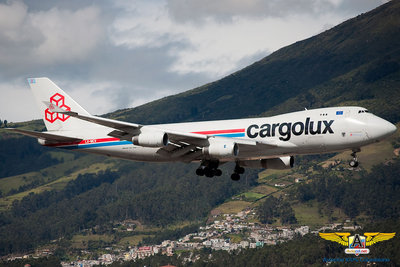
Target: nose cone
x: 391, y: 128
x: 382, y: 128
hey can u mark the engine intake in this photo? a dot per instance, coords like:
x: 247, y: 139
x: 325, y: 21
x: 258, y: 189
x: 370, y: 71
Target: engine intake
x: 276, y: 163
x: 151, y: 139
x: 221, y: 149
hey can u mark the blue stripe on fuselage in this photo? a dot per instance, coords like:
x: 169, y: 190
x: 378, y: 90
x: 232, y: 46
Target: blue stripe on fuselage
x: 231, y: 135
x: 116, y: 143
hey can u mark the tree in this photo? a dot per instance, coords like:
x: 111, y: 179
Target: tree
x: 5, y: 123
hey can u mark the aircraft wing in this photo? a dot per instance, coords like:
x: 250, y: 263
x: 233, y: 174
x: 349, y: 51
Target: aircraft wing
x: 118, y: 125
x: 180, y: 143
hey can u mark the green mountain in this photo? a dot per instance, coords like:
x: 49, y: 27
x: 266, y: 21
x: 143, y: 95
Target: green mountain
x: 356, y: 62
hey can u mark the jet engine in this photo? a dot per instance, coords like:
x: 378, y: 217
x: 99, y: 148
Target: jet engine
x: 276, y: 163
x: 221, y: 148
x: 151, y: 139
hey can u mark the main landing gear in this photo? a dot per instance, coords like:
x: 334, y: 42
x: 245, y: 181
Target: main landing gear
x: 209, y: 168
x: 354, y: 162
x: 237, y: 172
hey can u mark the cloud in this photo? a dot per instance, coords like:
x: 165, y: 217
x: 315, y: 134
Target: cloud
x: 354, y: 7
x: 16, y: 103
x: 67, y: 36
x: 198, y: 10
x: 43, y: 38
x: 224, y: 10
x: 215, y: 46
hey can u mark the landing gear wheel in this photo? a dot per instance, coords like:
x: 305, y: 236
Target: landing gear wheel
x: 209, y: 168
x: 353, y: 163
x: 235, y: 176
x: 239, y: 170
x: 208, y: 172
x: 200, y: 171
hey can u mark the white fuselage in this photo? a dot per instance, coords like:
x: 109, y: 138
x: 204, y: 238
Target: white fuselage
x: 304, y: 132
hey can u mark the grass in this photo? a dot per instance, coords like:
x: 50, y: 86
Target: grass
x: 57, y: 184
x: 132, y: 240
x: 49, y: 174
x: 235, y: 238
x: 232, y: 207
x: 264, y: 189
x: 14, y: 182
x: 307, y: 214
x: 250, y: 196
x: 269, y: 174
x: 147, y: 228
x: 82, y: 241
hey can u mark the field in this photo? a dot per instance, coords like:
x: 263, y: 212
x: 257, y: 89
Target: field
x: 52, y: 178
x: 231, y: 207
x: 264, y: 189
x: 84, y: 241
x: 307, y: 214
x: 249, y: 196
x: 132, y: 240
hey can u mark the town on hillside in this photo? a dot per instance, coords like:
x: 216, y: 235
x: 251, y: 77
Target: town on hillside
x: 227, y: 232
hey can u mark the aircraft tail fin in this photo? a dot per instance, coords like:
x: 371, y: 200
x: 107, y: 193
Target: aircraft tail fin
x: 46, y: 91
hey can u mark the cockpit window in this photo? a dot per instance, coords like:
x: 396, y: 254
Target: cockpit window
x: 363, y: 111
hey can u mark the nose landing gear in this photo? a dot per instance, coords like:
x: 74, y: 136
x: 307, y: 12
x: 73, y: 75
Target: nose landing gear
x: 354, y: 162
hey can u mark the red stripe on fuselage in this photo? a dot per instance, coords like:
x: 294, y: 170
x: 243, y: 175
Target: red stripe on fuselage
x: 102, y: 140
x: 221, y: 131
x: 85, y: 142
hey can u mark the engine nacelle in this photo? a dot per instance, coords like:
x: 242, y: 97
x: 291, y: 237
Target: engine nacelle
x: 44, y: 142
x: 151, y: 139
x: 221, y: 149
x: 277, y: 163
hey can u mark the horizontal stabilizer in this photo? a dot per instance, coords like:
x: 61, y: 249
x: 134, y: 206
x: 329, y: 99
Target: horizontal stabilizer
x: 45, y: 136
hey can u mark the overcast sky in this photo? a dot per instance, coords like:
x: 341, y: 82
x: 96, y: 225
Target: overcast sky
x: 115, y: 54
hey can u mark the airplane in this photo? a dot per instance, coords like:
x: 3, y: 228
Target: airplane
x: 269, y: 142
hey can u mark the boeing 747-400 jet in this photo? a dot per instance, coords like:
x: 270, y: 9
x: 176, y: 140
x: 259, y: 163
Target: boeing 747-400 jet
x: 269, y: 142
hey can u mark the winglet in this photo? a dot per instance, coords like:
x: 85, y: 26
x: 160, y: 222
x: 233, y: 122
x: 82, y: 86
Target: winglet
x: 54, y: 108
